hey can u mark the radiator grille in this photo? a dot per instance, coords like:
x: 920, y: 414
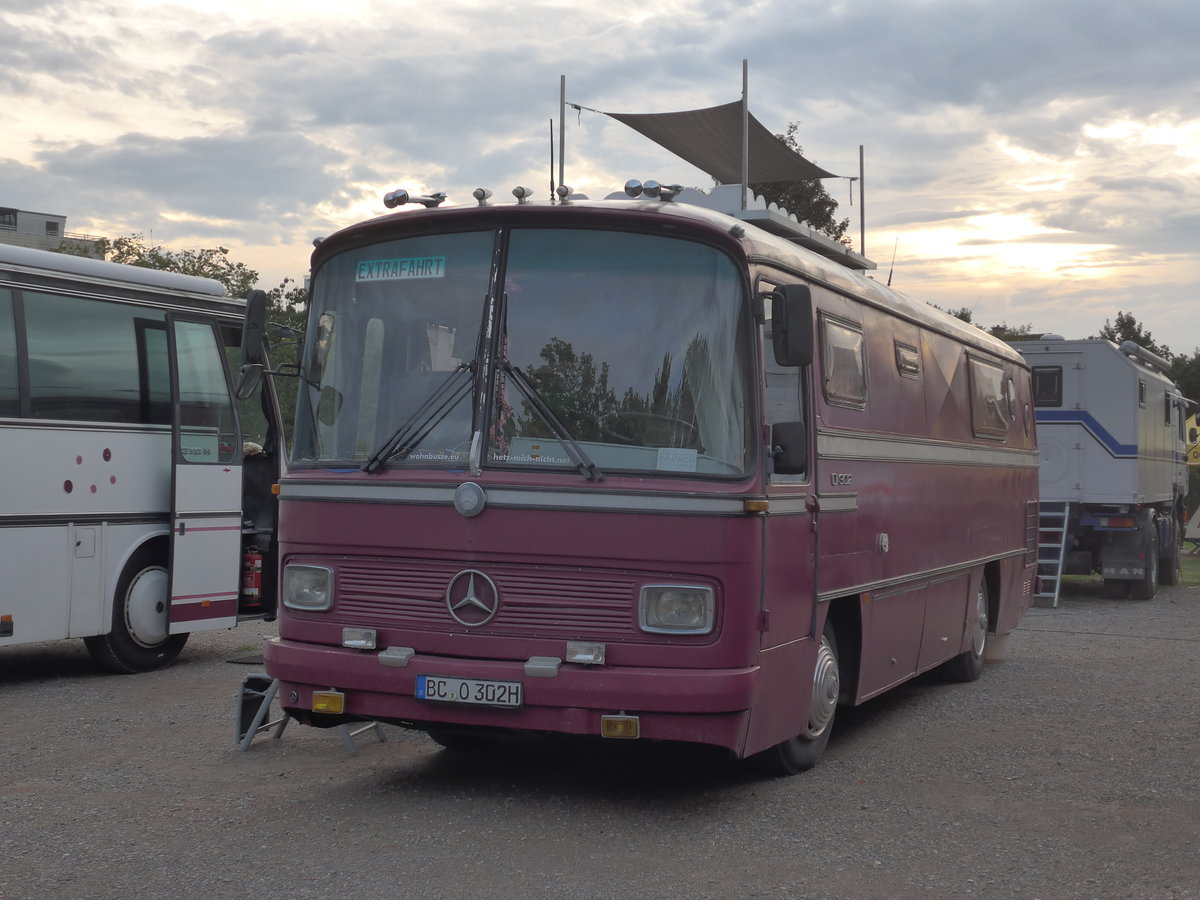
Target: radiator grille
x: 534, y: 602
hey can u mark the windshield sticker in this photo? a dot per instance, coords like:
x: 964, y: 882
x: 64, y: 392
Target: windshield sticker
x: 398, y: 269
x: 676, y: 459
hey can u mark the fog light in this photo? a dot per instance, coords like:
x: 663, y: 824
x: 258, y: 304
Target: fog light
x: 328, y: 702
x: 358, y: 638
x: 624, y: 728
x: 585, y: 653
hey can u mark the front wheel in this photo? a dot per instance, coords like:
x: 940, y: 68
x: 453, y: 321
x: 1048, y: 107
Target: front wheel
x: 800, y: 753
x: 139, y: 640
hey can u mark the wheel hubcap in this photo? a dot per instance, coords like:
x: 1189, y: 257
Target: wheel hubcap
x: 826, y: 685
x: 146, y: 607
x: 979, y: 640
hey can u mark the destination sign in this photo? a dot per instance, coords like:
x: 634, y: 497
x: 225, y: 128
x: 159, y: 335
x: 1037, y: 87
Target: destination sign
x: 400, y: 269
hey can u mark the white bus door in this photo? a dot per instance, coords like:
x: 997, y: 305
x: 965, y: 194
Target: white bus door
x: 206, y: 483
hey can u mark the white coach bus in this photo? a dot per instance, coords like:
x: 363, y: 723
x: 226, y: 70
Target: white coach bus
x: 134, y: 508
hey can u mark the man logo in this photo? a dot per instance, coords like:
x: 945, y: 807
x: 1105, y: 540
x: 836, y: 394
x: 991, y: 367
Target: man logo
x: 472, y: 598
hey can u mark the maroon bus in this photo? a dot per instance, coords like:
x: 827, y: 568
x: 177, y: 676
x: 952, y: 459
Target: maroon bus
x: 637, y: 469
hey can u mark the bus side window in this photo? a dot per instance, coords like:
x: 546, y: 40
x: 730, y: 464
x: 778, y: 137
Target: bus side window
x: 782, y: 400
x: 9, y: 400
x: 86, y: 363
x: 843, y: 357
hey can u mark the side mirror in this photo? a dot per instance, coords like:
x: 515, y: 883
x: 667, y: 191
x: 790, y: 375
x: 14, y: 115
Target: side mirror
x: 789, y: 448
x: 792, y: 325
x: 248, y: 380
x: 254, y: 327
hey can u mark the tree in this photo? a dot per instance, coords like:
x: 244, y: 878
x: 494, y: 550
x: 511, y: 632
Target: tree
x: 1127, y: 328
x: 214, y: 263
x: 808, y: 201
x: 1003, y: 331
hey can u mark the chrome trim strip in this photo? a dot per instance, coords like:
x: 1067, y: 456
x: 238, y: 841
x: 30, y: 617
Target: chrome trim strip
x: 930, y: 575
x: 831, y: 503
x: 791, y: 505
x: 892, y: 448
x: 516, y: 498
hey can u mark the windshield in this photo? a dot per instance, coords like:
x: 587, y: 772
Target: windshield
x: 393, y: 322
x: 613, y: 351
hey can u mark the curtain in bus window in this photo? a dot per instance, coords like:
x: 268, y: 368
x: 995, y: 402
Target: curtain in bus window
x: 9, y: 400
x: 96, y: 361
x: 207, y: 432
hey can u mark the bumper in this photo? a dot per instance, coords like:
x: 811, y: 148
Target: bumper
x: 706, y: 706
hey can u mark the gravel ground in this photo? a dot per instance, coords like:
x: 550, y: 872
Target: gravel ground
x: 1068, y: 770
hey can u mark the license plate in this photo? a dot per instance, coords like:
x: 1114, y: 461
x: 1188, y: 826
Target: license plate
x: 471, y: 691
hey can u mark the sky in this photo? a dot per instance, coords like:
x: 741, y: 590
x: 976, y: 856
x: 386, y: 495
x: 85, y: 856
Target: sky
x: 1035, y: 162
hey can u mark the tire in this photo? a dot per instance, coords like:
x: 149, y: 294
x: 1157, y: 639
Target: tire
x: 1168, y: 565
x: 800, y: 753
x: 139, y: 641
x: 968, y: 665
x: 1147, y: 587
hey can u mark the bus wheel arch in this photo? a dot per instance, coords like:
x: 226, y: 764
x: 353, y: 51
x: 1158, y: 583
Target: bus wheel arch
x: 968, y: 665
x: 800, y: 753
x: 138, y: 640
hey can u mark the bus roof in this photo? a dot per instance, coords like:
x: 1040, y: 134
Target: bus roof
x: 758, y: 245
x: 27, y: 258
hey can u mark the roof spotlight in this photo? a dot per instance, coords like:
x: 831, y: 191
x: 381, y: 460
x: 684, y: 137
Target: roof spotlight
x: 482, y: 195
x: 522, y: 194
x: 651, y: 188
x: 633, y: 187
x: 563, y: 191
x: 392, y: 199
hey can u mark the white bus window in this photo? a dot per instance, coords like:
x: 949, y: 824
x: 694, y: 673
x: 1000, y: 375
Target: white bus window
x: 206, y: 411
x: 85, y: 362
x: 9, y: 400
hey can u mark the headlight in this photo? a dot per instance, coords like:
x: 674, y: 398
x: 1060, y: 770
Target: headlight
x: 307, y: 587
x: 676, y: 609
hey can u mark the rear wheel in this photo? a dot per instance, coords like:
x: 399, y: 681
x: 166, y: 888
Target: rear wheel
x: 1146, y: 587
x: 801, y: 753
x: 968, y: 665
x: 1168, y: 565
x: 139, y: 640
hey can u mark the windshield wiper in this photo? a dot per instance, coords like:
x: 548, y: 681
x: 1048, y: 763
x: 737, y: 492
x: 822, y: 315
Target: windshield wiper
x: 427, y: 417
x: 578, y: 455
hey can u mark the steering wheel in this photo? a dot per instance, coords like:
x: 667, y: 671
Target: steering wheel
x: 647, y: 429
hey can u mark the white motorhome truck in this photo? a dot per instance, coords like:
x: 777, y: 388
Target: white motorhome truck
x: 1113, y: 476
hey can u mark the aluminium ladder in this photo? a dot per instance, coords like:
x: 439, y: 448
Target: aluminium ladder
x: 1052, y: 551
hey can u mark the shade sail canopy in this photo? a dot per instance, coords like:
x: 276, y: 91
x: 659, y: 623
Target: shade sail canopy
x: 711, y: 140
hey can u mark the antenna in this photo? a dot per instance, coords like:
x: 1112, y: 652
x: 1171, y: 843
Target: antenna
x: 552, y: 184
x: 893, y: 266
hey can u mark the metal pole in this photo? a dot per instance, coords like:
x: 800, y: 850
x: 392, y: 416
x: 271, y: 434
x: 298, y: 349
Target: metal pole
x: 862, y: 205
x: 562, y: 129
x: 745, y: 129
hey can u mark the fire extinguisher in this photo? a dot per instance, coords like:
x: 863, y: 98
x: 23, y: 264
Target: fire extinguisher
x: 252, y: 563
